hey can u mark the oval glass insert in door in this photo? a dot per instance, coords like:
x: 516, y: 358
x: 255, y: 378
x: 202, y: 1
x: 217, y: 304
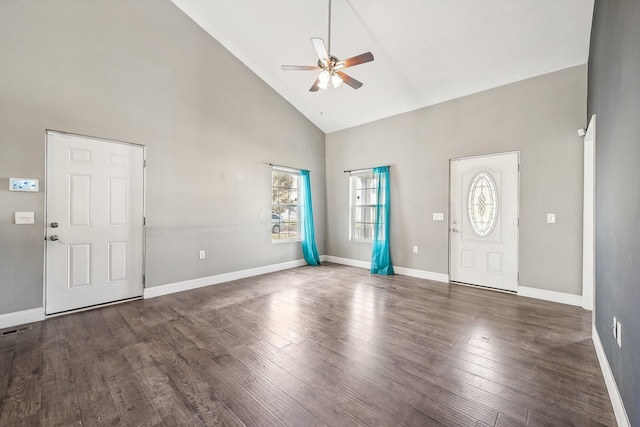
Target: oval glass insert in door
x: 483, y: 203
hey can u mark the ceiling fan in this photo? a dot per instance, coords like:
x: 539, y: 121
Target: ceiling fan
x: 330, y: 66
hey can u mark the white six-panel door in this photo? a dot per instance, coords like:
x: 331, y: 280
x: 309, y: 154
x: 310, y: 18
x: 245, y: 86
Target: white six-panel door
x: 94, y: 222
x: 484, y: 221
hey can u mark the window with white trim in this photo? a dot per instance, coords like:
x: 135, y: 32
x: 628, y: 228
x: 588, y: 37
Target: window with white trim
x: 284, y: 206
x: 363, y: 202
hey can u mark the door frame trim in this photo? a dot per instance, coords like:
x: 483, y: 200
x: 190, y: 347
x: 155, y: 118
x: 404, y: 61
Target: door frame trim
x: 588, y: 220
x: 517, y: 210
x: 47, y: 132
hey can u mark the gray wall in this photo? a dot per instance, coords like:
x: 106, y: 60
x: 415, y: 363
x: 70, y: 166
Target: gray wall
x: 614, y: 96
x: 538, y: 117
x: 141, y: 71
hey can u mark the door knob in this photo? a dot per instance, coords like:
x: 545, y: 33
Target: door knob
x: 55, y: 238
x: 54, y: 225
x: 454, y: 230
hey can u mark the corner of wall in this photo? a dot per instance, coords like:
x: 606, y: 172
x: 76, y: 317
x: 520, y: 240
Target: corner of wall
x: 420, y: 274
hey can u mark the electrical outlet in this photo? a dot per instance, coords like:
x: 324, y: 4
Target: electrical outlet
x: 619, y: 334
x: 201, y: 254
x: 415, y: 249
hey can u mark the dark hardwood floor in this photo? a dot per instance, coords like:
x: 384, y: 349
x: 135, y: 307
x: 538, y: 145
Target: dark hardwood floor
x: 311, y: 346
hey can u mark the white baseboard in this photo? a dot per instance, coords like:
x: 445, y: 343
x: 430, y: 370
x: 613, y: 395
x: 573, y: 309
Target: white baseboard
x: 610, y: 381
x: 441, y: 277
x: 348, y: 261
x: 421, y: 274
x: 552, y: 296
x: 17, y: 318
x: 156, y: 291
x: 186, y: 285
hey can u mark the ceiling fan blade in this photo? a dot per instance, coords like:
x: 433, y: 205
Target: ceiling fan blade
x: 349, y: 80
x: 315, y: 86
x: 300, y: 67
x: 356, y: 60
x: 321, y: 50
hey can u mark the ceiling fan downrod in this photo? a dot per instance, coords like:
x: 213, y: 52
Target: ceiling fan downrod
x: 329, y: 32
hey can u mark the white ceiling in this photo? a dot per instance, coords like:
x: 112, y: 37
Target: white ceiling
x: 426, y: 51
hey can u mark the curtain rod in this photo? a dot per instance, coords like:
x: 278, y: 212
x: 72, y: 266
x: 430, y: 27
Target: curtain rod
x: 364, y: 169
x: 282, y: 167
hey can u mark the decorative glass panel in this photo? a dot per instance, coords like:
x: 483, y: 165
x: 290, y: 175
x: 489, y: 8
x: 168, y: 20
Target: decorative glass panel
x: 483, y: 204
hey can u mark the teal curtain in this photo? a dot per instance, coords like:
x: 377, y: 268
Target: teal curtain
x: 307, y: 233
x: 381, y: 255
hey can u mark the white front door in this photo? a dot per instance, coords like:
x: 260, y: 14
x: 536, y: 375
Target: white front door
x: 484, y: 221
x: 94, y: 222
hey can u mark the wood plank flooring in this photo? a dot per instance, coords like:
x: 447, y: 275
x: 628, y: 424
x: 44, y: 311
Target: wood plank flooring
x: 311, y: 346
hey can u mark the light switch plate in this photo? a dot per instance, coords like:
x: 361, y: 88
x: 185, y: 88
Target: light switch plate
x: 551, y: 218
x: 438, y: 216
x: 25, y: 217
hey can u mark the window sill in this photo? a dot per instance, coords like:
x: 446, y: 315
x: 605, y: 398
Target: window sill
x: 361, y: 240
x: 278, y: 242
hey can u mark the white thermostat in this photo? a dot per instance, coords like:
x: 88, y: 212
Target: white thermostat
x: 23, y: 184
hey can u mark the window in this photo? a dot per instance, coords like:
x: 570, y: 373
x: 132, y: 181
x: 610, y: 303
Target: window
x: 284, y: 206
x: 363, y: 201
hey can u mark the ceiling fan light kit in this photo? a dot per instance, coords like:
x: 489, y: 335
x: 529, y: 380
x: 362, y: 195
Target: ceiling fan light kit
x: 336, y: 80
x: 330, y: 65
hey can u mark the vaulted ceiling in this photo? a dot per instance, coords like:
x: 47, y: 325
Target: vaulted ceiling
x: 426, y: 51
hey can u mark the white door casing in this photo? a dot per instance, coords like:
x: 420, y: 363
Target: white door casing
x: 483, y: 231
x: 94, y: 254
x: 588, y: 225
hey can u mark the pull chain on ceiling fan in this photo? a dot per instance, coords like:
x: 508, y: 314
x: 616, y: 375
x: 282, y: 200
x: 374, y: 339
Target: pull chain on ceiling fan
x: 330, y: 66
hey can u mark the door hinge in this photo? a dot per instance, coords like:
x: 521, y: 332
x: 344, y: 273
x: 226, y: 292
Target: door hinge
x: 144, y: 279
x: 144, y: 220
x: 144, y: 163
x: 518, y: 167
